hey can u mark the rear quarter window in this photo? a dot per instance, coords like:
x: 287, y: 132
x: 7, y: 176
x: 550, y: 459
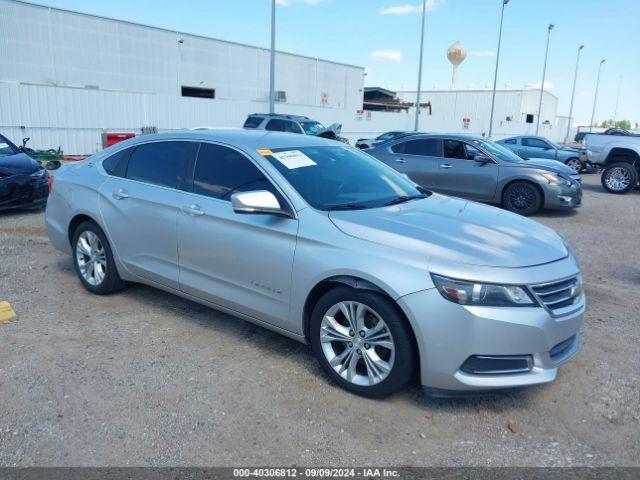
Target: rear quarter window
x: 116, y: 164
x: 252, y: 122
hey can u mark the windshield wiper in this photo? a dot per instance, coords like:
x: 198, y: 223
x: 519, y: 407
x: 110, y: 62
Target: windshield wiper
x: 346, y: 206
x: 405, y: 198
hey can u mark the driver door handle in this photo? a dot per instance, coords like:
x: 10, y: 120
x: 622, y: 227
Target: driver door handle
x: 445, y: 165
x: 193, y: 210
x: 400, y: 160
x: 120, y: 194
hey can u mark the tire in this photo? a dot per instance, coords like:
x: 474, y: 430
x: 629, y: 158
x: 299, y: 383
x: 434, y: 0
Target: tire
x: 619, y: 178
x: 374, y: 369
x: 523, y: 198
x: 93, y: 260
x: 575, y: 164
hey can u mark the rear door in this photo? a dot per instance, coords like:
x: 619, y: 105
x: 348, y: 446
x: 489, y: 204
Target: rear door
x: 239, y: 261
x: 418, y: 159
x: 459, y: 174
x: 139, y: 205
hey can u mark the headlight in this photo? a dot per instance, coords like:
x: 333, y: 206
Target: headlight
x: 41, y: 173
x: 482, y: 294
x: 555, y: 179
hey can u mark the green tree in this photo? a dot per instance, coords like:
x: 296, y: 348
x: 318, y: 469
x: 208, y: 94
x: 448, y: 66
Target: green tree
x: 624, y: 124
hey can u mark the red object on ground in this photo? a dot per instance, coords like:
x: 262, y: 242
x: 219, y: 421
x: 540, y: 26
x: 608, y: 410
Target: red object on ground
x: 50, y: 183
x: 111, y: 138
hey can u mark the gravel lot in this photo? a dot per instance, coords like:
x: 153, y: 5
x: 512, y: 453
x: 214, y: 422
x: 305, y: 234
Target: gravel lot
x: 147, y: 378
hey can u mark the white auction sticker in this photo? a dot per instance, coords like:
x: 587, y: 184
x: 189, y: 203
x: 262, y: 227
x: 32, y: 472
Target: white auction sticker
x: 293, y: 159
x: 4, y: 145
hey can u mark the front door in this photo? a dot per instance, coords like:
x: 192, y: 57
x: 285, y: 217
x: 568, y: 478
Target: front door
x: 459, y: 174
x: 140, y: 208
x: 239, y: 261
x: 537, y: 148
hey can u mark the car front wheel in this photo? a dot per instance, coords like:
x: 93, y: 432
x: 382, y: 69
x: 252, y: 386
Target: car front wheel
x: 575, y: 164
x: 523, y: 198
x: 363, y: 342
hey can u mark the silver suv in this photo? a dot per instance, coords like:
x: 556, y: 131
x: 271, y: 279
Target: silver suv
x: 323, y: 243
x: 280, y: 122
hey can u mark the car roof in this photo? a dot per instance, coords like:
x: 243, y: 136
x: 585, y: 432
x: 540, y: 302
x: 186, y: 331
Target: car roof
x: 452, y: 136
x: 247, y: 139
x: 280, y: 115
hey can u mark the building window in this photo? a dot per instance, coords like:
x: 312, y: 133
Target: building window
x: 198, y: 92
x: 529, y: 118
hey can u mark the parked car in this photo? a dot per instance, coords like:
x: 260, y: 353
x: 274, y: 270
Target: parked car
x: 275, y: 122
x: 324, y: 244
x: 482, y: 170
x: 541, y: 147
x: 369, y: 142
x: 24, y: 183
x: 619, y: 156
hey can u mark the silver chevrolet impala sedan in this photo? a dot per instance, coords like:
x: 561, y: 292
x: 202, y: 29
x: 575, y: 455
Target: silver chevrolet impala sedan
x: 323, y: 243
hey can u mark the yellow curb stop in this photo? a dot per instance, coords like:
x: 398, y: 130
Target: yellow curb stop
x: 6, y: 312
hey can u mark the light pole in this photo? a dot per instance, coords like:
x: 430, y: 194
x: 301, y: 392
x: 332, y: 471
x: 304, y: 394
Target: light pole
x: 615, y: 112
x: 424, y: 14
x: 595, y: 96
x: 544, y: 74
x: 272, y: 72
x: 573, y: 93
x: 495, y: 75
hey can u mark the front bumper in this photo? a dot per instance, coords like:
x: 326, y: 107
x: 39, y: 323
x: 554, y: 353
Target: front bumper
x: 562, y: 197
x: 448, y: 334
x: 22, y: 191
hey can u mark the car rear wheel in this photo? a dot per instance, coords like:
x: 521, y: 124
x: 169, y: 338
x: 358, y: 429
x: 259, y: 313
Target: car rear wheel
x: 363, y: 342
x: 575, y: 164
x: 93, y: 260
x: 523, y: 198
x: 619, y: 177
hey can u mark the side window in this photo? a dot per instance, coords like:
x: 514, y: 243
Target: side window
x: 252, y: 122
x: 292, y: 127
x: 428, y: 147
x: 275, y: 125
x: 399, y: 147
x: 116, y: 164
x: 221, y: 171
x: 534, y: 142
x: 471, y: 151
x: 161, y: 163
x: 511, y: 141
x: 455, y: 149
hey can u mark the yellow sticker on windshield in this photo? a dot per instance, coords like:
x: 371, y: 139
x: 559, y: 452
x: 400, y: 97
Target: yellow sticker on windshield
x: 264, y: 151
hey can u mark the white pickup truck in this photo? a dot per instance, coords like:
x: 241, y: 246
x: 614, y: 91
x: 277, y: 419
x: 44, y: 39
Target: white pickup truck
x: 619, y: 156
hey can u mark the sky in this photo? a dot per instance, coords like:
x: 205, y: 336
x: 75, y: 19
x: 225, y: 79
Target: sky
x: 383, y: 36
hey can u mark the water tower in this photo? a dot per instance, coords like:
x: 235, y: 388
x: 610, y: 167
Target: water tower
x: 456, y: 55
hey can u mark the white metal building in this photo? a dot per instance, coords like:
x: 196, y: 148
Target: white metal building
x: 66, y: 77
x: 516, y: 111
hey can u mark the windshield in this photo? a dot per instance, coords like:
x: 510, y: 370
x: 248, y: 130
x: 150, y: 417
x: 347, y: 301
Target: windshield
x: 554, y: 145
x: 498, y: 151
x: 312, y: 128
x: 6, y: 148
x: 341, y: 178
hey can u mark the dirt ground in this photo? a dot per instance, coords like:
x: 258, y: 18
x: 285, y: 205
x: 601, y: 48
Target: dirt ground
x: 146, y: 378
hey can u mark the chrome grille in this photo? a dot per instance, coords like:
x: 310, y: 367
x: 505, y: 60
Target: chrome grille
x: 561, y: 297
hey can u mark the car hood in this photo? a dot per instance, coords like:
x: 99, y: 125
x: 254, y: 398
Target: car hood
x: 455, y: 230
x: 555, y: 166
x: 18, y: 163
x: 570, y: 149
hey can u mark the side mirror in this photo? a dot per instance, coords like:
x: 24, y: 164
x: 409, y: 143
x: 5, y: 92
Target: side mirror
x: 257, y: 202
x: 482, y: 159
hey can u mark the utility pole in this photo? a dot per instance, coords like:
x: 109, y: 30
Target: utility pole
x: 495, y: 76
x: 573, y: 94
x: 544, y: 74
x: 272, y: 72
x: 595, y: 97
x: 424, y: 14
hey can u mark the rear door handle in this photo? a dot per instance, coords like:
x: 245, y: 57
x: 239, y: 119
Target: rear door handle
x: 445, y: 165
x: 193, y: 210
x: 120, y: 194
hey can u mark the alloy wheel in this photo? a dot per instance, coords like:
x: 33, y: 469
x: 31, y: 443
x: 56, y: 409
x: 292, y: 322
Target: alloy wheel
x: 357, y: 343
x: 617, y: 179
x: 574, y: 164
x: 91, y: 258
x: 521, y: 197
